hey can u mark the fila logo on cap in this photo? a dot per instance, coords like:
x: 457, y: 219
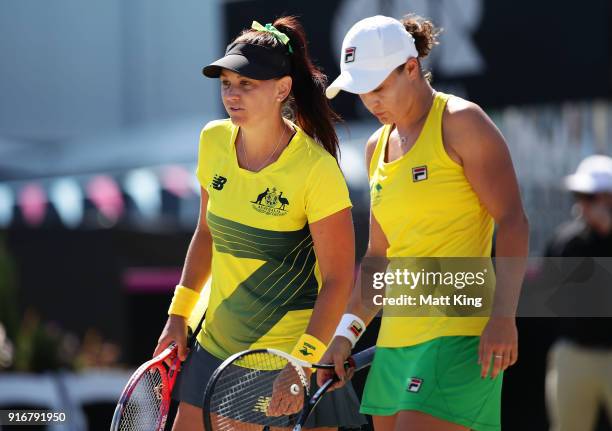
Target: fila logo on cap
x: 419, y: 173
x: 349, y: 54
x: 415, y: 384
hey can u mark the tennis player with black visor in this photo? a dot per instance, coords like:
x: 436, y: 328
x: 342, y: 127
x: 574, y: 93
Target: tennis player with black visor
x: 275, y: 231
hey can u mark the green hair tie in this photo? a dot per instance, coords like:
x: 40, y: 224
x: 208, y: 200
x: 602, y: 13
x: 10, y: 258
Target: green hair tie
x: 269, y: 28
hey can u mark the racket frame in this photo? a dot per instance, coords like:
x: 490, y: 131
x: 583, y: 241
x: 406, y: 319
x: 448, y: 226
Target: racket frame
x: 171, y: 352
x: 358, y: 361
x: 168, y: 376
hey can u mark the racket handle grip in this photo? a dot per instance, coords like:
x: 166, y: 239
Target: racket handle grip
x: 362, y: 359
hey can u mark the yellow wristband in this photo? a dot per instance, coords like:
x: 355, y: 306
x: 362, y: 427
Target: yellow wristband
x: 183, y: 301
x: 309, y: 349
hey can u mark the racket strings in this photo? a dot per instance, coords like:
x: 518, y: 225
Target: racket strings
x: 244, y: 390
x: 143, y: 409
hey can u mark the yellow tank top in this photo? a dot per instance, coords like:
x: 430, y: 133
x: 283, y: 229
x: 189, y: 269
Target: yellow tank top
x: 427, y: 208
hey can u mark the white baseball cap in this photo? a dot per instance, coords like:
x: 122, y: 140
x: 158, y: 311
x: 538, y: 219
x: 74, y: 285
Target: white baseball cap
x: 594, y: 175
x: 371, y: 50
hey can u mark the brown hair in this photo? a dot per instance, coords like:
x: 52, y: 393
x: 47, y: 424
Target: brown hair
x: 425, y: 35
x: 307, y: 103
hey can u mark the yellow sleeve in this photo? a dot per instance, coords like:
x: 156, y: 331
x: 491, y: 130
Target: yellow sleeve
x: 326, y: 190
x: 202, y: 171
x: 213, y: 133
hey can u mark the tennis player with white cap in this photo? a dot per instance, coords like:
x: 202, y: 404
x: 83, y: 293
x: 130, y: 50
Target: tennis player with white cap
x: 441, y: 178
x: 371, y: 50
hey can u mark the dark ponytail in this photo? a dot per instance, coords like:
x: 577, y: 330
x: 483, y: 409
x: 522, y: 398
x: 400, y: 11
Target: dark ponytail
x: 311, y: 109
x: 425, y: 35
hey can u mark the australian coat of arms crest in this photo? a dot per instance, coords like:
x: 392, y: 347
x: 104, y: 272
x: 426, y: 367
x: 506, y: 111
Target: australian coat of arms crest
x: 271, y: 202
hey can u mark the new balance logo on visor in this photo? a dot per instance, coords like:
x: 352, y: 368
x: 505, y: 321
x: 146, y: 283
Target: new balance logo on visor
x: 349, y: 54
x: 415, y: 384
x: 218, y: 182
x: 419, y: 173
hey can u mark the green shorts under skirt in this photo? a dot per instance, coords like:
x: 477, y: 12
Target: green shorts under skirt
x: 440, y: 377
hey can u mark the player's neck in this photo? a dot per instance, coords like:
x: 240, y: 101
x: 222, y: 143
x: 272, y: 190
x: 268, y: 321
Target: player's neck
x: 261, y: 144
x: 416, y: 115
x: 263, y: 136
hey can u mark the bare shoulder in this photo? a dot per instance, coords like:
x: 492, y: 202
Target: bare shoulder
x: 371, y: 146
x: 465, y: 125
x: 461, y: 113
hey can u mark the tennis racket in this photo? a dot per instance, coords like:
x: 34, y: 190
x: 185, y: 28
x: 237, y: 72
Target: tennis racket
x: 145, y: 400
x: 266, y: 389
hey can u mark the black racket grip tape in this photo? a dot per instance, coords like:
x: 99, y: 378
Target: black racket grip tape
x: 362, y: 359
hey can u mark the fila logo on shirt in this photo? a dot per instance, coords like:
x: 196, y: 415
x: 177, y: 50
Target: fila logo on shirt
x: 415, y: 384
x: 419, y: 173
x: 349, y: 54
x: 218, y: 182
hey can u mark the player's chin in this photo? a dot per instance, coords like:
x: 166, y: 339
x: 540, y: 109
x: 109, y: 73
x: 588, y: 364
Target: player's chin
x: 382, y: 117
x: 238, y: 117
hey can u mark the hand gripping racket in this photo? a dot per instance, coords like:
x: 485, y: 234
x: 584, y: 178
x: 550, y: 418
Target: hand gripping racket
x: 266, y: 389
x: 145, y: 400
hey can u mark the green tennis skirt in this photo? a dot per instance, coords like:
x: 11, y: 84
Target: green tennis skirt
x: 440, y: 377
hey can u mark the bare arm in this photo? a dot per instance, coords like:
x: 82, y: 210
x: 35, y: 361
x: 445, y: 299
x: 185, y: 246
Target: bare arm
x: 334, y: 244
x: 361, y: 302
x: 377, y: 249
x: 196, y: 271
x: 471, y: 134
x: 340, y: 347
x: 488, y: 167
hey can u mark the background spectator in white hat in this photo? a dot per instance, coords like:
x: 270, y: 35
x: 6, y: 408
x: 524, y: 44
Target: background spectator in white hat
x: 579, y: 375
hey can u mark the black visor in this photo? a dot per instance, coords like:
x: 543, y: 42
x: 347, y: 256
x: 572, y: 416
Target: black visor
x: 253, y: 61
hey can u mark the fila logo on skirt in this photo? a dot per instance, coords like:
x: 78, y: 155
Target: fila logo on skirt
x: 415, y: 384
x: 419, y: 173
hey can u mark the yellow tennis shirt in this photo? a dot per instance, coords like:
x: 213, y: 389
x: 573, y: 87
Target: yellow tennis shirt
x: 265, y: 277
x: 427, y: 208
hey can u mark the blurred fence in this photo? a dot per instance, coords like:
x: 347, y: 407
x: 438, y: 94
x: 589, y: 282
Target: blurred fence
x: 547, y: 143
